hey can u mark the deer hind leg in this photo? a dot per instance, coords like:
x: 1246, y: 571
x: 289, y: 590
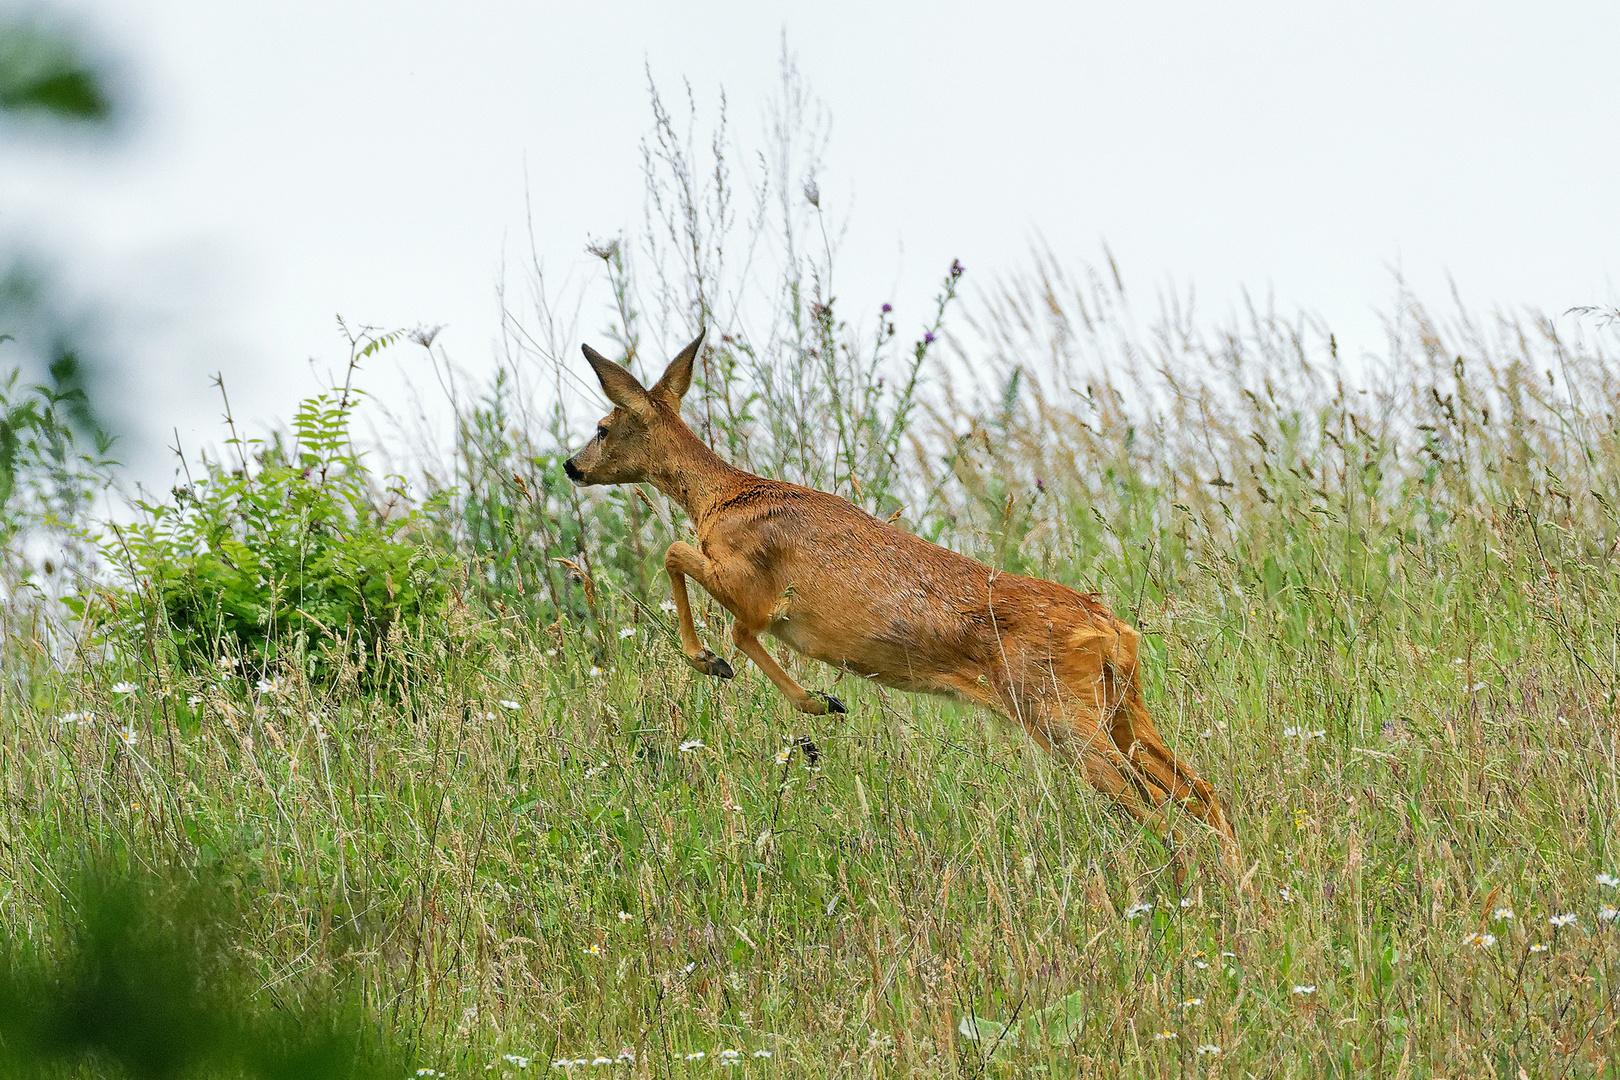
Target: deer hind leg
x: 1076, y: 735
x: 681, y: 560
x: 1133, y: 733
x: 813, y: 702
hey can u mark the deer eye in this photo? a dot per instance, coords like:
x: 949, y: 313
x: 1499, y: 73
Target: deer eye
x: 601, y: 433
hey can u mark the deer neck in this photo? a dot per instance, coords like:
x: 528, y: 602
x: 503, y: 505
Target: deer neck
x: 694, y: 476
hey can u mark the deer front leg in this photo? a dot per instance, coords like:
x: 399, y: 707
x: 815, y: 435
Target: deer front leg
x: 680, y: 560
x: 813, y: 702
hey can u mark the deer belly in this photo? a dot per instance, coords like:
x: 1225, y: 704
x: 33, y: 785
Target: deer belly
x: 898, y: 658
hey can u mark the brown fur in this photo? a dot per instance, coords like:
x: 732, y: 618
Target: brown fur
x: 836, y: 584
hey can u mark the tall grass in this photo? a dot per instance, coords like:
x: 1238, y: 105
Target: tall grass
x: 1380, y: 599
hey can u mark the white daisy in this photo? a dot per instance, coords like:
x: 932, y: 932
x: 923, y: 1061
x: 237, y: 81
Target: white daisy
x: 627, y: 633
x: 123, y: 688
x: 1566, y: 919
x: 1305, y: 988
x: 1136, y: 911
x: 1607, y: 879
x: 691, y: 746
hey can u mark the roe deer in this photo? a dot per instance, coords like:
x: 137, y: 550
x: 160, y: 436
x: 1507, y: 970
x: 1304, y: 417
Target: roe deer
x: 836, y: 584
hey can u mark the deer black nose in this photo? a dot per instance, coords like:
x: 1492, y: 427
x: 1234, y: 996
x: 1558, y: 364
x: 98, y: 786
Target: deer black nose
x: 573, y: 471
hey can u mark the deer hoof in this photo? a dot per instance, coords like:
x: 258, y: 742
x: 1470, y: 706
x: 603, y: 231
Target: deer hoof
x: 812, y: 752
x: 710, y: 664
x: 830, y: 704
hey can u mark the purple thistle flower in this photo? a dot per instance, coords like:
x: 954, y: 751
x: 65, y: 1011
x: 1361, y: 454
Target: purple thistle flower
x: 956, y: 268
x: 928, y: 338
x: 887, y: 308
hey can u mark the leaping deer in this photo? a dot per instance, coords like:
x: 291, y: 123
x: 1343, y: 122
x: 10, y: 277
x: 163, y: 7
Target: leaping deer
x: 838, y: 585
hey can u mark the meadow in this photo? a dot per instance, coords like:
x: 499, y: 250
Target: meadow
x: 482, y: 799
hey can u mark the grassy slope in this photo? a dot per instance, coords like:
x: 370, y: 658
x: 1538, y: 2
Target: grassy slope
x: 468, y: 862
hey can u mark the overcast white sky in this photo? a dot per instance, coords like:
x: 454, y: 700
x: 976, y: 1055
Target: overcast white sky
x: 290, y: 161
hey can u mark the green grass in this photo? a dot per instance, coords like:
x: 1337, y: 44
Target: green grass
x: 560, y: 880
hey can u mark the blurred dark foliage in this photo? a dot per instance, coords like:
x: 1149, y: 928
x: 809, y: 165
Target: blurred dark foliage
x: 139, y: 978
x: 45, y: 72
x: 49, y: 79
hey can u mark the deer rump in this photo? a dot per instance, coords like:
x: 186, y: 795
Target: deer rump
x: 873, y: 599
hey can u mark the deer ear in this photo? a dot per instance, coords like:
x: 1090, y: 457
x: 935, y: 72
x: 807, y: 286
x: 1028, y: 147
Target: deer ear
x: 618, y: 384
x: 677, y: 378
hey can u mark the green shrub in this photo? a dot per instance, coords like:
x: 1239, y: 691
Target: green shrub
x: 285, y: 552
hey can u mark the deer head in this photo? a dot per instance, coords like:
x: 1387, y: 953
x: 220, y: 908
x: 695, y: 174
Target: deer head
x: 642, y: 430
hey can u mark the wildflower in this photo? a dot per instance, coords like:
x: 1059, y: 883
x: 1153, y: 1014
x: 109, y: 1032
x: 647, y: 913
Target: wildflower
x: 1163, y: 1036
x: 781, y: 758
x: 727, y: 1055
x: 1608, y: 914
x: 1305, y: 988
x: 692, y: 746
x: 1607, y: 879
x: 593, y: 950
x: 123, y: 688
x: 1538, y: 948
x: 887, y: 308
x: 593, y: 770
x: 510, y: 705
x: 957, y: 268
x: 1136, y: 911
x: 128, y: 735
x: 596, y: 672
x: 1189, y: 901
x: 271, y: 687
x: 522, y: 1062
x: 625, y: 916
x: 1192, y: 1003
x: 627, y: 1056
x: 928, y: 338
x: 428, y: 1072
x: 1288, y: 894
x: 1200, y: 964
x: 762, y: 1053
x: 1480, y: 941
x: 627, y: 633
x: 667, y: 606
x: 194, y: 700
x: 1503, y: 914
x: 78, y: 718
x: 1231, y: 955
x: 696, y: 1055
x: 226, y: 663
x: 602, y: 1061
x: 1566, y: 919
x: 560, y: 1063
x: 1208, y: 1048
x: 551, y: 653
